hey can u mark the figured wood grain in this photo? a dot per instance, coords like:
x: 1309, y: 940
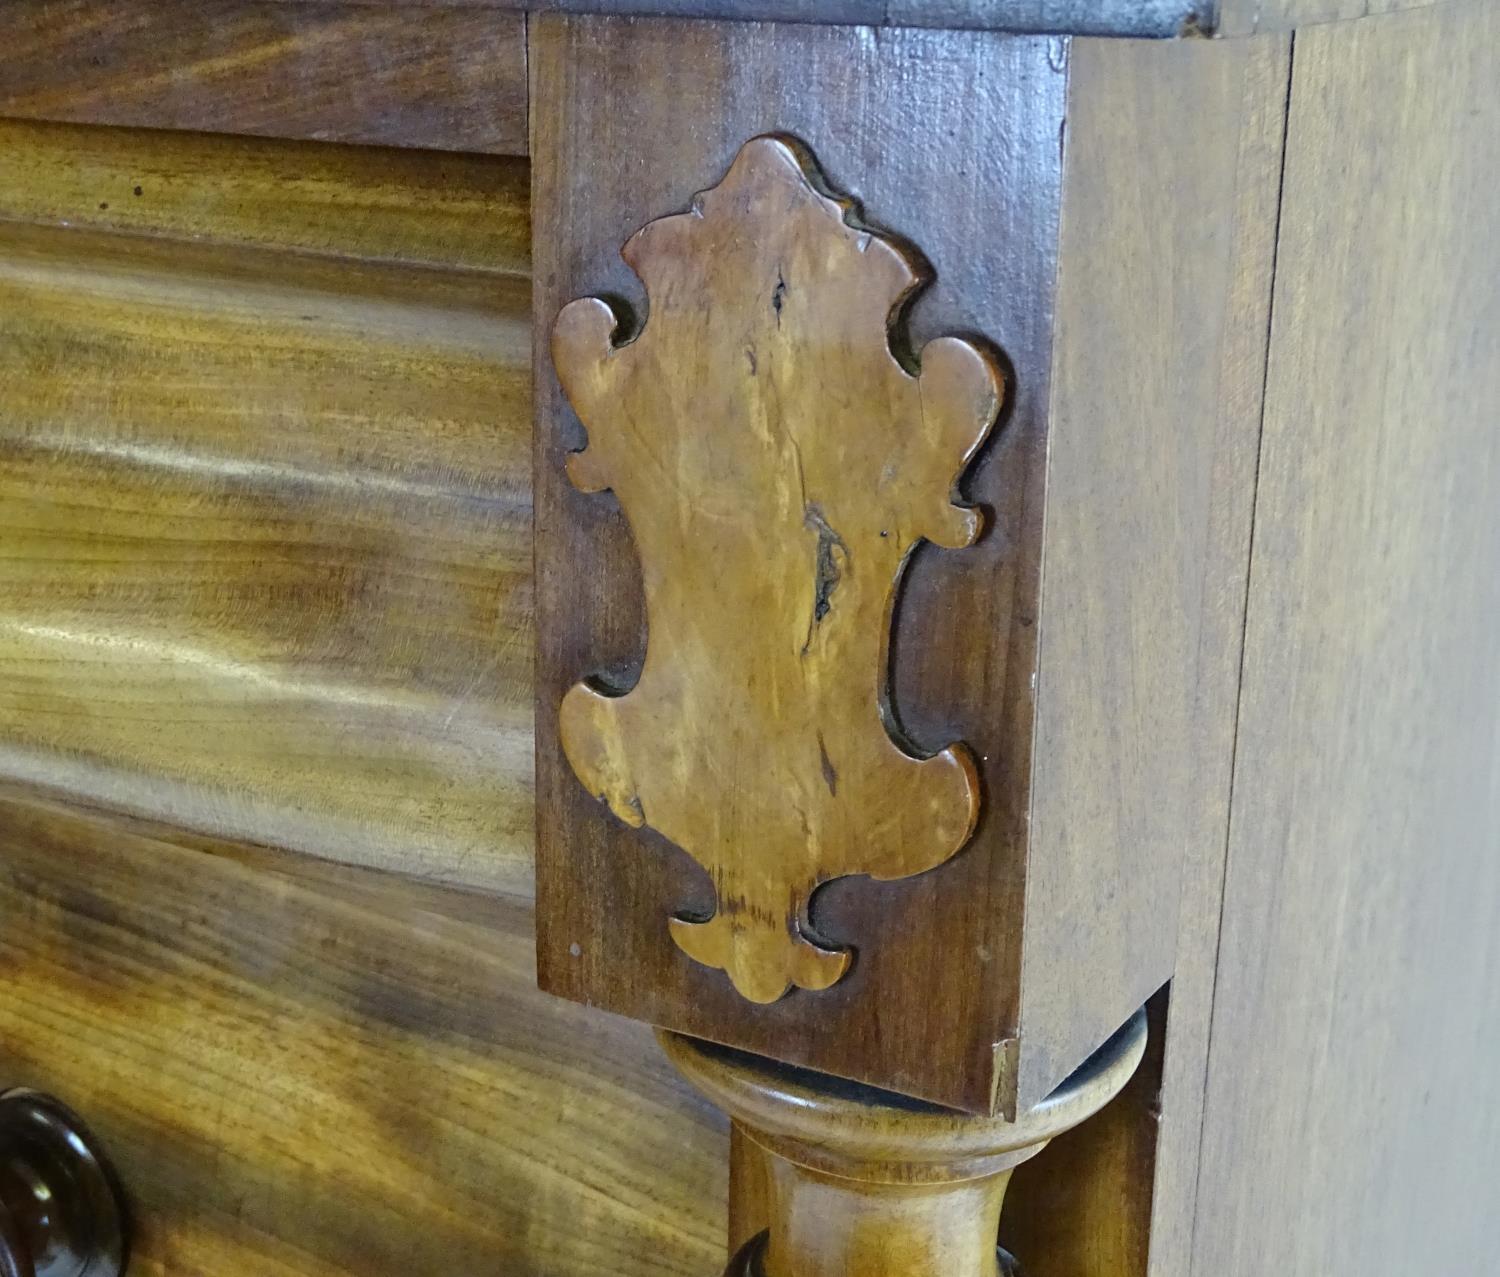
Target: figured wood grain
x: 266, y: 565
x: 1353, y: 1105
x: 320, y: 1072
x: 980, y: 199
x: 454, y: 79
x: 459, y: 211
x: 772, y: 547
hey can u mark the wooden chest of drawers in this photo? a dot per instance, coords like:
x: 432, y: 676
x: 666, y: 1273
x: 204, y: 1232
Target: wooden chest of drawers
x: 1011, y: 542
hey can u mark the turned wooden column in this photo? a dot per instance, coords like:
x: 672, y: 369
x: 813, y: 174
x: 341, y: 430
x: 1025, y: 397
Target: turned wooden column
x: 866, y: 1183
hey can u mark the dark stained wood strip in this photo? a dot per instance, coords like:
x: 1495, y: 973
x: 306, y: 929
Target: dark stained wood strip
x: 453, y: 79
x: 312, y: 1071
x: 1156, y: 19
x: 1152, y: 18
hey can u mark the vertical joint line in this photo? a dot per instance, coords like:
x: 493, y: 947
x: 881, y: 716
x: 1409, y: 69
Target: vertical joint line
x: 1265, y: 377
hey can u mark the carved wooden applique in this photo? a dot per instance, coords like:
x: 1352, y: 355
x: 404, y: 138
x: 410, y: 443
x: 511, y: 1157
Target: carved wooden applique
x: 777, y: 465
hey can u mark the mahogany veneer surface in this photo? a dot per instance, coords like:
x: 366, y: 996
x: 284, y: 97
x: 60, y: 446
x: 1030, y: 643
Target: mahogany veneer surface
x: 266, y: 513
x: 319, y: 1071
x: 450, y: 78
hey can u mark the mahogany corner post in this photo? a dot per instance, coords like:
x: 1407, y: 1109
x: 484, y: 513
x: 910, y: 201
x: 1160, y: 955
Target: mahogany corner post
x: 896, y: 413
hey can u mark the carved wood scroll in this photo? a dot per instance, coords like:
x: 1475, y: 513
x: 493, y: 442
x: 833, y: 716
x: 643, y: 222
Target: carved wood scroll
x: 777, y: 465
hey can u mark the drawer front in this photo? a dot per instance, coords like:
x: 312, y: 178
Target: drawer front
x: 266, y: 586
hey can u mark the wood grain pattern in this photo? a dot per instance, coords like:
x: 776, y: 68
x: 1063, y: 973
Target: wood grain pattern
x: 1252, y: 17
x: 772, y: 547
x: 981, y: 200
x: 1154, y: 418
x: 749, y: 1189
x: 309, y: 1071
x: 453, y: 80
x: 1254, y: 133
x: 267, y: 547
x: 866, y: 1184
x: 456, y: 211
x: 1353, y: 1107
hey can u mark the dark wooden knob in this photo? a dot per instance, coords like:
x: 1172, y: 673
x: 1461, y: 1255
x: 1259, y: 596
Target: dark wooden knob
x: 61, y: 1210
